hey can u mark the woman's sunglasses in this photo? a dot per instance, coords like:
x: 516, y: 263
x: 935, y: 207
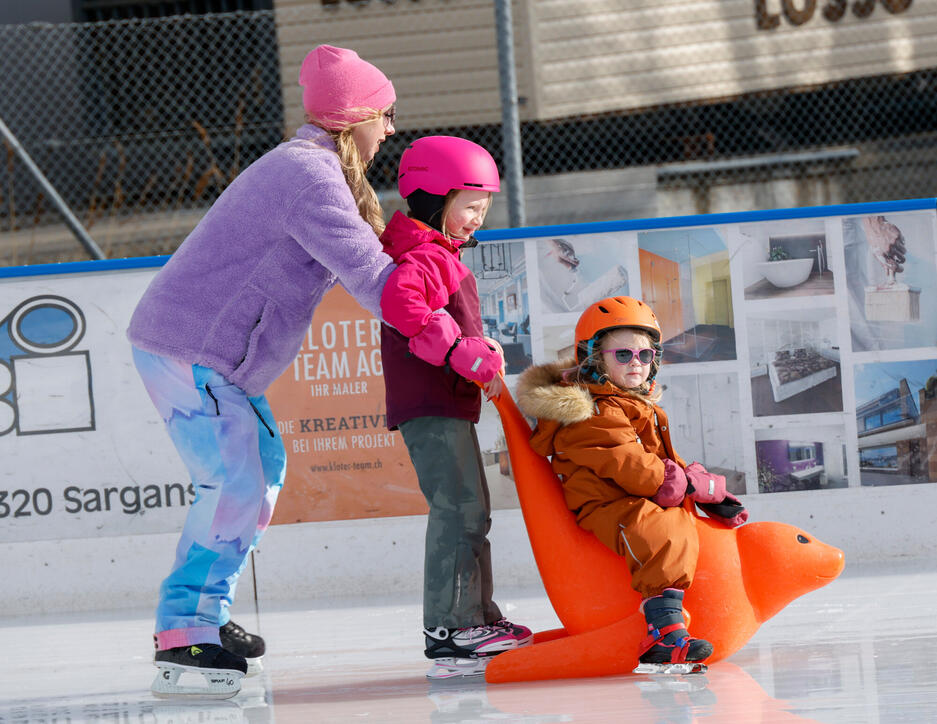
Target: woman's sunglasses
x: 624, y: 355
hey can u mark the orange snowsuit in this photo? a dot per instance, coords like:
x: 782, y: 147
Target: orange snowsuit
x: 608, y: 449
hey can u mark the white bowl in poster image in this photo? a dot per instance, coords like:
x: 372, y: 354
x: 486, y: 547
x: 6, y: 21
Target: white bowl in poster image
x: 890, y: 273
x: 787, y: 258
x: 795, y: 362
x: 685, y: 278
x: 705, y: 424
x: 802, y: 458
x: 784, y: 272
x: 579, y: 269
x: 896, y: 419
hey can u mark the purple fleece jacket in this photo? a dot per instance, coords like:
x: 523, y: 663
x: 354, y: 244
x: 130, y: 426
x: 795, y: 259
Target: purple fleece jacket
x: 239, y: 293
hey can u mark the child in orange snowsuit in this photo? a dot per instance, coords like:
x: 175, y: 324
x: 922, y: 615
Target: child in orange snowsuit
x: 609, y: 443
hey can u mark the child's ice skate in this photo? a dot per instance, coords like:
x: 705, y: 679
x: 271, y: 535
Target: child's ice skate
x: 456, y: 668
x: 464, y: 651
x: 523, y: 635
x: 251, y: 646
x: 221, y: 669
x: 668, y: 648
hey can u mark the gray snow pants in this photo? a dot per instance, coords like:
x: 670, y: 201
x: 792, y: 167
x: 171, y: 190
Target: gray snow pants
x: 457, y: 582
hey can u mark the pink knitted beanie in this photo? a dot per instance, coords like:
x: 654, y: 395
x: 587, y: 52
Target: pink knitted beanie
x: 339, y: 88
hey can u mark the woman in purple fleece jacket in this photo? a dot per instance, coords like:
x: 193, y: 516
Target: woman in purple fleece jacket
x: 222, y: 320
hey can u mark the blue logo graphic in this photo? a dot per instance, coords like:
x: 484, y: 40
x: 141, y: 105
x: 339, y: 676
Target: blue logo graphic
x: 45, y: 384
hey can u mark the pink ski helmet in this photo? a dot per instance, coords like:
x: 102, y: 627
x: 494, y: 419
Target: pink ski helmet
x: 439, y: 164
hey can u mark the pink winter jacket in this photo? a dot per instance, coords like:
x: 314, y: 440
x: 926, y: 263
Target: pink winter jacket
x: 428, y: 282
x: 428, y: 273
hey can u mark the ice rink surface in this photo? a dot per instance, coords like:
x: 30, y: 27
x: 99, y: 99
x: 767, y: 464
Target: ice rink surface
x: 859, y: 650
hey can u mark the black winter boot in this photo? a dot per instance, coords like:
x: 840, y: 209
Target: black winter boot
x: 667, y: 639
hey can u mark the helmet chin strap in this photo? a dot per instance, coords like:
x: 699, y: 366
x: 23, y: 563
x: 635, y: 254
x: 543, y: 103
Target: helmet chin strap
x: 590, y: 349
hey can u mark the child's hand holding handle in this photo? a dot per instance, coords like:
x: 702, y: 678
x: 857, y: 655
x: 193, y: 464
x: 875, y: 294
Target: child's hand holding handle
x: 729, y: 512
x: 709, y: 492
x: 475, y: 359
x: 704, y: 486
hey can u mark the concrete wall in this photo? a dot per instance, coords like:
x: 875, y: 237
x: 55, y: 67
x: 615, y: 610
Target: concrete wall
x: 368, y: 557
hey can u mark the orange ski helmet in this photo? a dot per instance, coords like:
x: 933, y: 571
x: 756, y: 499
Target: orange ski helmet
x: 611, y: 313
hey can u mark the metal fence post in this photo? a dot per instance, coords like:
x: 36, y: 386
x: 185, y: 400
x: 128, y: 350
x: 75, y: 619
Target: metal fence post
x: 70, y: 220
x: 510, y: 125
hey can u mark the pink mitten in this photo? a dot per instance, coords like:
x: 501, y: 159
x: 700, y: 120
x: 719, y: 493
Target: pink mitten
x: 475, y: 359
x: 729, y: 512
x: 672, y: 491
x: 435, y: 339
x: 704, y: 486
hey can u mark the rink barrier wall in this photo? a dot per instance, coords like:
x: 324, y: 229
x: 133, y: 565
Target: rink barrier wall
x: 48, y: 569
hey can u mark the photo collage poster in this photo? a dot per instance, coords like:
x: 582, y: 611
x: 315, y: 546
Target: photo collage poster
x: 799, y: 354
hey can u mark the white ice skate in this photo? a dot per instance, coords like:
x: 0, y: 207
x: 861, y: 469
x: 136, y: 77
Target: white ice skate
x: 689, y: 667
x: 451, y: 668
x: 219, y: 683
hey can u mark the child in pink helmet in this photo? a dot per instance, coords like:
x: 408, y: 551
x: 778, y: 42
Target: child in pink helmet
x: 435, y: 358
x: 225, y: 316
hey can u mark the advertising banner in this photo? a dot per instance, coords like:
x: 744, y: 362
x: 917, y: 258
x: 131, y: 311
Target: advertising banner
x: 800, y: 353
x: 343, y: 462
x: 84, y: 452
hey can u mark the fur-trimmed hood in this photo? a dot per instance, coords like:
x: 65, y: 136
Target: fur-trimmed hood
x: 542, y: 393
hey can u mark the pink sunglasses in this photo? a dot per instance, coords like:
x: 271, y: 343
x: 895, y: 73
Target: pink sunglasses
x: 624, y: 355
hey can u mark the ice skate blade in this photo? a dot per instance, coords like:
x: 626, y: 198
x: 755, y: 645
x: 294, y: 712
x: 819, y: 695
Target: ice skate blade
x: 451, y: 668
x: 221, y: 683
x: 691, y: 667
x: 255, y: 666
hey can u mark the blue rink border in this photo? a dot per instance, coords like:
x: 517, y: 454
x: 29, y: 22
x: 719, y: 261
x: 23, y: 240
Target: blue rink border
x: 533, y: 232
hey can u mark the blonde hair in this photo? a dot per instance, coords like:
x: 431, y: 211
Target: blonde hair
x: 355, y: 170
x: 592, y: 370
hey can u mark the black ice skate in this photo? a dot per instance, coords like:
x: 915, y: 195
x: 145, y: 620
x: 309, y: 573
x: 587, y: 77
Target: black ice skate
x: 221, y: 669
x: 668, y: 647
x: 251, y: 646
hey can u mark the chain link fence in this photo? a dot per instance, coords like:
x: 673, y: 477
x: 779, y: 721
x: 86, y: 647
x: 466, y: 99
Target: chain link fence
x: 140, y: 124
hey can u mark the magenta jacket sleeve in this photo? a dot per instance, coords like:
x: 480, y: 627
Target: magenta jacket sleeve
x: 421, y: 284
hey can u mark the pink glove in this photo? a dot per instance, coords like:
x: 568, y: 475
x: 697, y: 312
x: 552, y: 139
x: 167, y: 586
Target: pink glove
x: 435, y: 339
x: 475, y: 359
x: 672, y: 491
x: 729, y: 512
x: 704, y: 486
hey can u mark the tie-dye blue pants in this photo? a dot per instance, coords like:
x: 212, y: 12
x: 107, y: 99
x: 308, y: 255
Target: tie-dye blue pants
x: 230, y: 444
